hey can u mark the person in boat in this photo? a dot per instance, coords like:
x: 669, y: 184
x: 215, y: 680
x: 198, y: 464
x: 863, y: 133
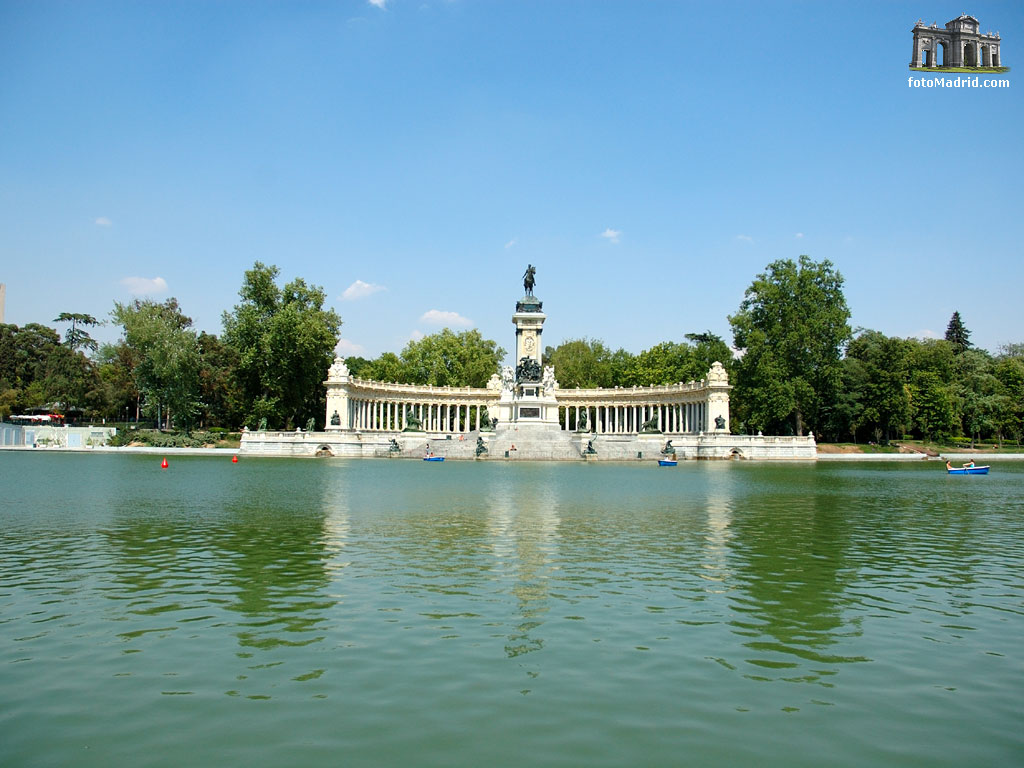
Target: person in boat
x: 948, y: 464
x: 969, y: 464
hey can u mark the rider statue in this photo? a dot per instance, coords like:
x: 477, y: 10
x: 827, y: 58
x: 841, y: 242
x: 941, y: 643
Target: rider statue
x: 529, y: 279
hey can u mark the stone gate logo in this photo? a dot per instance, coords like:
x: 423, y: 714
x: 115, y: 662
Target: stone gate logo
x: 959, y: 47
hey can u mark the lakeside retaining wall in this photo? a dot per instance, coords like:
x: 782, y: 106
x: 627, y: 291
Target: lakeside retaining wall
x: 517, y: 442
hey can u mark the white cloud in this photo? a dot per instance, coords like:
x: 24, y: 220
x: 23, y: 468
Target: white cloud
x: 382, y: 4
x: 510, y: 243
x: 611, y: 235
x: 360, y: 290
x: 926, y: 334
x: 144, y: 286
x: 745, y: 238
x: 346, y: 348
x: 798, y: 235
x: 103, y: 221
x: 415, y: 336
x: 441, y: 317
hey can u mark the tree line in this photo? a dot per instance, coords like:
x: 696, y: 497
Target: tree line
x: 795, y: 363
x: 269, y: 363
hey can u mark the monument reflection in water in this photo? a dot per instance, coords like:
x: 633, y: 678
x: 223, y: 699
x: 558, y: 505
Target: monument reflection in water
x: 498, y: 613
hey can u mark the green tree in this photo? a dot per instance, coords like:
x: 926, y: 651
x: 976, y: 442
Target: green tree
x: 957, y: 334
x: 886, y: 394
x: 285, y: 340
x: 357, y: 365
x: 665, y: 363
x: 847, y: 414
x: 33, y: 367
x: 1010, y: 373
x: 218, y: 383
x: 71, y: 383
x: 585, y: 363
x: 931, y: 373
x: 8, y: 357
x: 976, y: 393
x: 32, y: 346
x: 790, y: 327
x: 933, y: 411
x: 710, y: 348
x: 387, y: 367
x: 116, y: 363
x: 77, y: 338
x: 166, y: 355
x: 452, y: 359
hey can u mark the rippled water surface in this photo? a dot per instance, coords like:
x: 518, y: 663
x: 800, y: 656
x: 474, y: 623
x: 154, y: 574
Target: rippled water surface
x: 358, y: 613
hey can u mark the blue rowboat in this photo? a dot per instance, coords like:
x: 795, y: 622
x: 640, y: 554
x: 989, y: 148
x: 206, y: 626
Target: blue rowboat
x: 968, y: 470
x: 667, y: 462
x: 433, y: 458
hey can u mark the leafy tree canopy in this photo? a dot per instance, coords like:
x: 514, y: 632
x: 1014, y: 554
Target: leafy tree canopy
x: 284, y: 340
x: 586, y: 363
x: 166, y: 356
x: 441, y: 359
x: 791, y: 327
x: 77, y: 338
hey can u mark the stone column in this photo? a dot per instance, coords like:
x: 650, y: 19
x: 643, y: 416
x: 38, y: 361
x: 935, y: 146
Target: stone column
x: 338, y: 401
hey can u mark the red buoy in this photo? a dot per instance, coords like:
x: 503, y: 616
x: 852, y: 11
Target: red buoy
x: 234, y: 459
x: 163, y: 464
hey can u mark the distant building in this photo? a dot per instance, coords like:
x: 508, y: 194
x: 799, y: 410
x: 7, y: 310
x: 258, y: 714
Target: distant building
x: 961, y: 43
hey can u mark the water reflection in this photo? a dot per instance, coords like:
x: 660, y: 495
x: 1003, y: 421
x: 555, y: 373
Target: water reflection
x: 718, y: 505
x: 523, y: 522
x: 792, y: 577
x: 173, y: 572
x: 422, y: 595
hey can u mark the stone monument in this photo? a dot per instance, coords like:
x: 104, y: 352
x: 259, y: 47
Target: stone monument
x: 528, y: 390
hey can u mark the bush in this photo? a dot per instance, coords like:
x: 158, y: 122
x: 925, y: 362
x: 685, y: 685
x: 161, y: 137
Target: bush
x: 156, y: 439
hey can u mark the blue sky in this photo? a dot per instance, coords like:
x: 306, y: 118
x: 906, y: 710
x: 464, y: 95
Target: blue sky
x: 650, y: 158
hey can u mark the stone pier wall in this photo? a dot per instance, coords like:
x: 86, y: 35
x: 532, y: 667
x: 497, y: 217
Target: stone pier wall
x: 523, y: 444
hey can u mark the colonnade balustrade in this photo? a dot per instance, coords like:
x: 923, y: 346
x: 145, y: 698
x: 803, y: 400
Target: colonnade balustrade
x: 385, y: 415
x: 630, y: 418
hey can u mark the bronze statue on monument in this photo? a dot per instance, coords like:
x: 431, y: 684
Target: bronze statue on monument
x: 529, y: 302
x: 529, y: 279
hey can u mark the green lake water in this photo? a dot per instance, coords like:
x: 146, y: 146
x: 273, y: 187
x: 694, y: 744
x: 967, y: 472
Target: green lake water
x: 403, y: 613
